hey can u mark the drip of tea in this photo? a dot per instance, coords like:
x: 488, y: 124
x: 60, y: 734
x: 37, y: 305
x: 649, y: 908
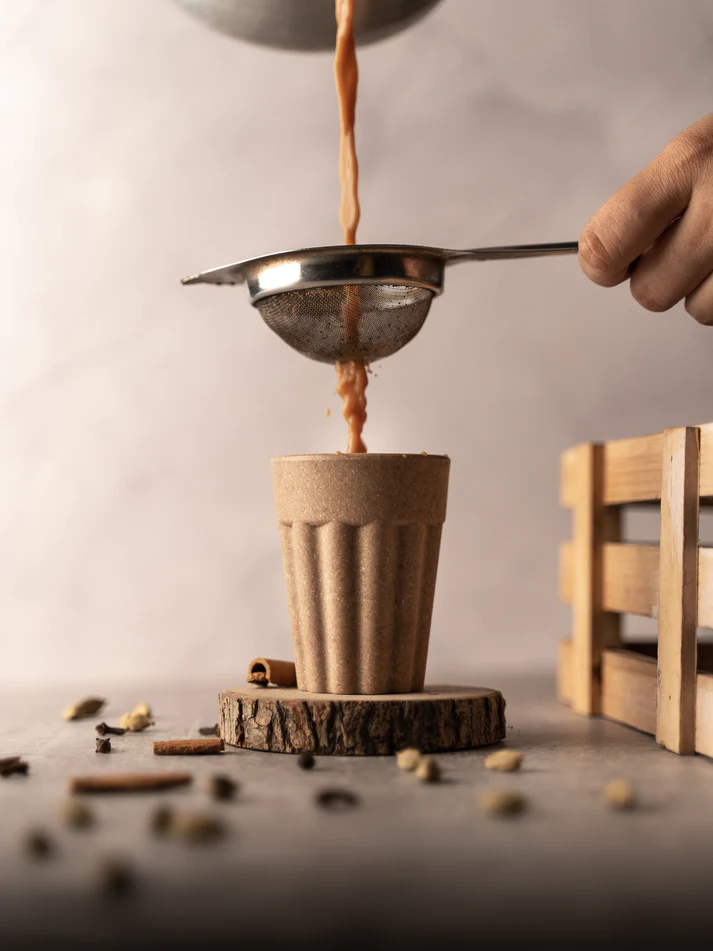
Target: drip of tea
x: 352, y: 376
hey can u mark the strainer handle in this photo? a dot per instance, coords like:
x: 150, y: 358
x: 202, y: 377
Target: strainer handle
x: 512, y: 251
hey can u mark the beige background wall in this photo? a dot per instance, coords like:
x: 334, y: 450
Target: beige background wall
x: 137, y: 417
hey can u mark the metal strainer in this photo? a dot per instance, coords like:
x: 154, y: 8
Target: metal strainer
x: 361, y: 302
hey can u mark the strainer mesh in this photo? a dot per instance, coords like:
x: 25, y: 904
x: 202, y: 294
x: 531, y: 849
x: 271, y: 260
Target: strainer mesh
x: 347, y: 322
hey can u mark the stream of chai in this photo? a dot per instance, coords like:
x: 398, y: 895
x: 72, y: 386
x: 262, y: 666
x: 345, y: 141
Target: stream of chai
x: 352, y: 377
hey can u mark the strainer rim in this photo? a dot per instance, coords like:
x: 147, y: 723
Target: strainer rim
x: 334, y: 265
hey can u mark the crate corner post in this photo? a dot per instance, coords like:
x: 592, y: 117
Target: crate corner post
x: 678, y: 591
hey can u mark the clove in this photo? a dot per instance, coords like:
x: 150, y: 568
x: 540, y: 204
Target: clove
x: 13, y: 765
x: 38, y: 844
x: 115, y: 878
x: 161, y: 819
x: 221, y: 787
x: 210, y: 730
x: 305, y: 760
x: 103, y: 744
x: 103, y: 728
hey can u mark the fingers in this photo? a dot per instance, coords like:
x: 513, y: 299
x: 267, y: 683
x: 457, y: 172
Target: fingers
x: 640, y: 212
x: 699, y: 304
x: 682, y: 258
x: 632, y: 219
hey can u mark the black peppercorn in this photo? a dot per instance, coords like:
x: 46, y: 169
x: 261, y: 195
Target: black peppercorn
x: 337, y: 800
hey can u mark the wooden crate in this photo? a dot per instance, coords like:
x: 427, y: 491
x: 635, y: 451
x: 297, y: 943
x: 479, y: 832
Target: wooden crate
x: 664, y: 688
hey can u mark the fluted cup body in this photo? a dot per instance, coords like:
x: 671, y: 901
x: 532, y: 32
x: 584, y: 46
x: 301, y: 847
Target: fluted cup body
x: 360, y: 537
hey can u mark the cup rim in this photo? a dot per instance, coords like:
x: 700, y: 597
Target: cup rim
x: 353, y: 456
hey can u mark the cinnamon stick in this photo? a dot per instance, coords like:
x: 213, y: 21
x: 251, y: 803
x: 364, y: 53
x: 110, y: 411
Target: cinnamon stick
x: 200, y: 747
x: 128, y: 782
x: 280, y: 673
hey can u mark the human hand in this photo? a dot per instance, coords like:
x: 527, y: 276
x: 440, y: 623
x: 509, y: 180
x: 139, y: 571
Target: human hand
x: 657, y: 230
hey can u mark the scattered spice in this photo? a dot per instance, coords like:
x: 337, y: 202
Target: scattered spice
x: 305, y: 760
x: 336, y: 800
x: 409, y: 758
x: 222, y: 787
x: 135, y: 722
x: 504, y: 761
x: 103, y: 744
x: 115, y: 878
x: 428, y: 770
x: 128, y: 782
x: 86, y: 708
x: 263, y: 671
x: 13, y: 766
x: 188, y: 747
x: 501, y: 802
x: 76, y: 814
x: 196, y: 828
x: 38, y: 844
x: 210, y: 730
x: 161, y: 820
x: 620, y: 794
x: 102, y: 729
x: 424, y: 453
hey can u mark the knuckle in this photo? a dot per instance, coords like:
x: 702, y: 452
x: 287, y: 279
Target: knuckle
x: 691, y: 149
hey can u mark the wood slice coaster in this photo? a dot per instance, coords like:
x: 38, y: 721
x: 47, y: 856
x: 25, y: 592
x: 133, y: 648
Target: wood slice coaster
x: 287, y: 720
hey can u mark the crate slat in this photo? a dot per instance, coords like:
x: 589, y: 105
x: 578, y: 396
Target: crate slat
x: 706, y: 460
x: 630, y: 577
x: 678, y: 592
x: 593, y: 629
x: 629, y: 689
x: 704, y: 713
x: 631, y: 580
x: 705, y: 587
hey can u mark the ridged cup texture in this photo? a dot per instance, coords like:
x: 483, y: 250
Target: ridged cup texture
x: 360, y: 538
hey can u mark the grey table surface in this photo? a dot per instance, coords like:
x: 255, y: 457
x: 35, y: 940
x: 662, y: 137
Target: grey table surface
x: 413, y: 862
